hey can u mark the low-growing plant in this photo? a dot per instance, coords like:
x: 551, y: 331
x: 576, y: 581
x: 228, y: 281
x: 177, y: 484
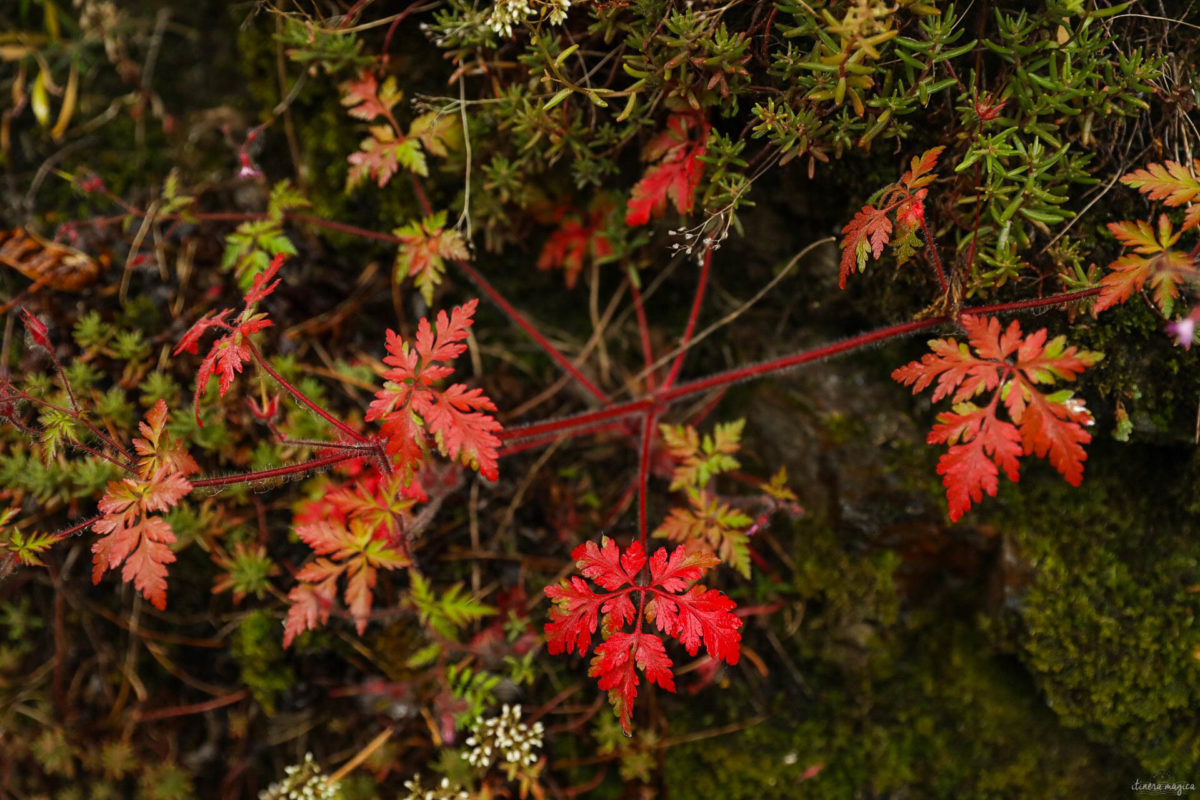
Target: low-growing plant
x: 578, y: 137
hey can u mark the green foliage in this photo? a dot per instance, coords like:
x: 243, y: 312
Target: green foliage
x: 250, y: 248
x: 448, y: 612
x: 1106, y: 625
x: 165, y: 781
x: 259, y: 655
x: 526, y: 125
x: 474, y: 688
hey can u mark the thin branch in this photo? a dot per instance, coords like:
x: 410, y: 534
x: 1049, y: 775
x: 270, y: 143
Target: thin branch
x: 644, y: 332
x: 644, y: 473
x: 277, y: 472
x: 299, y: 395
x: 697, y: 301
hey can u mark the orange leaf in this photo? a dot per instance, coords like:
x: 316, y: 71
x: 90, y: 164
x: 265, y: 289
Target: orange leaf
x: 1011, y: 366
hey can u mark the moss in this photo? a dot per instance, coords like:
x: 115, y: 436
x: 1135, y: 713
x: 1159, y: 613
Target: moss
x: 259, y: 654
x: 1155, y: 380
x: 1107, y: 625
x: 938, y: 715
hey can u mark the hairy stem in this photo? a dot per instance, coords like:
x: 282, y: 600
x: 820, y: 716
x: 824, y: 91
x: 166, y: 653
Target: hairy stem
x: 644, y: 471
x: 934, y: 258
x: 1037, y: 302
x: 300, y: 396
x: 277, y: 472
x: 796, y: 359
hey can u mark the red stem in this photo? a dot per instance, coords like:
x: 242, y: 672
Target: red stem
x: 705, y: 263
x: 644, y: 472
x: 194, y: 708
x: 617, y: 411
x: 548, y: 438
x: 105, y: 456
x: 277, y: 472
x: 1037, y: 302
x: 104, y: 437
x: 512, y: 313
x: 934, y: 257
x: 978, y: 203
x: 619, y: 507
x: 78, y: 528
x: 795, y: 359
x: 644, y: 330
x: 299, y: 395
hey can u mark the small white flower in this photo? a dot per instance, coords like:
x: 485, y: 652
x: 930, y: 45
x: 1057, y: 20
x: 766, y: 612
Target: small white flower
x: 304, y: 781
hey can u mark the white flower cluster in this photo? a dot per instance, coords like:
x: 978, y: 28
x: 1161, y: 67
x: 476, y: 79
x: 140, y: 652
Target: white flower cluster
x: 505, y: 736
x: 444, y: 791
x: 303, y: 782
x: 507, y: 13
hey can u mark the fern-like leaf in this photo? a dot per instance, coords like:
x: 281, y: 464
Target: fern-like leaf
x: 1012, y: 367
x: 694, y: 615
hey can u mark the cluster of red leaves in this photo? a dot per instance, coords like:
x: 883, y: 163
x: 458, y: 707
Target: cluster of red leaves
x: 871, y: 228
x: 1010, y: 366
x: 677, y: 173
x: 387, y: 148
x: 129, y: 529
x: 1153, y: 260
x: 228, y: 353
x: 694, y: 616
x: 578, y: 237
x: 363, y: 535
x: 411, y: 409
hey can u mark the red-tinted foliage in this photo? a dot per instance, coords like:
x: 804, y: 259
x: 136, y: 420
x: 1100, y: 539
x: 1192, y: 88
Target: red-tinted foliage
x: 694, y: 616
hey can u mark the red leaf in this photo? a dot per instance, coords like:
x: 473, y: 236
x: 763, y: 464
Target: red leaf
x: 159, y: 449
x: 261, y: 286
x: 701, y: 615
x: 1171, y: 182
x: 1153, y: 260
x: 146, y: 566
x: 970, y: 468
x: 324, y: 537
x: 381, y: 155
x: 454, y: 416
x: 355, y: 551
x: 695, y: 616
x: 1055, y: 431
x: 213, y: 319
x: 607, y: 566
x: 920, y: 169
x: 129, y: 533
x: 574, y: 616
x: 424, y: 247
x: 1011, y: 366
x: 463, y: 432
x: 868, y: 232
x: 673, y: 573
x: 871, y: 228
x: 573, y: 242
x: 364, y: 100
x: 359, y: 586
x: 677, y: 174
x: 614, y: 666
x: 309, y: 609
